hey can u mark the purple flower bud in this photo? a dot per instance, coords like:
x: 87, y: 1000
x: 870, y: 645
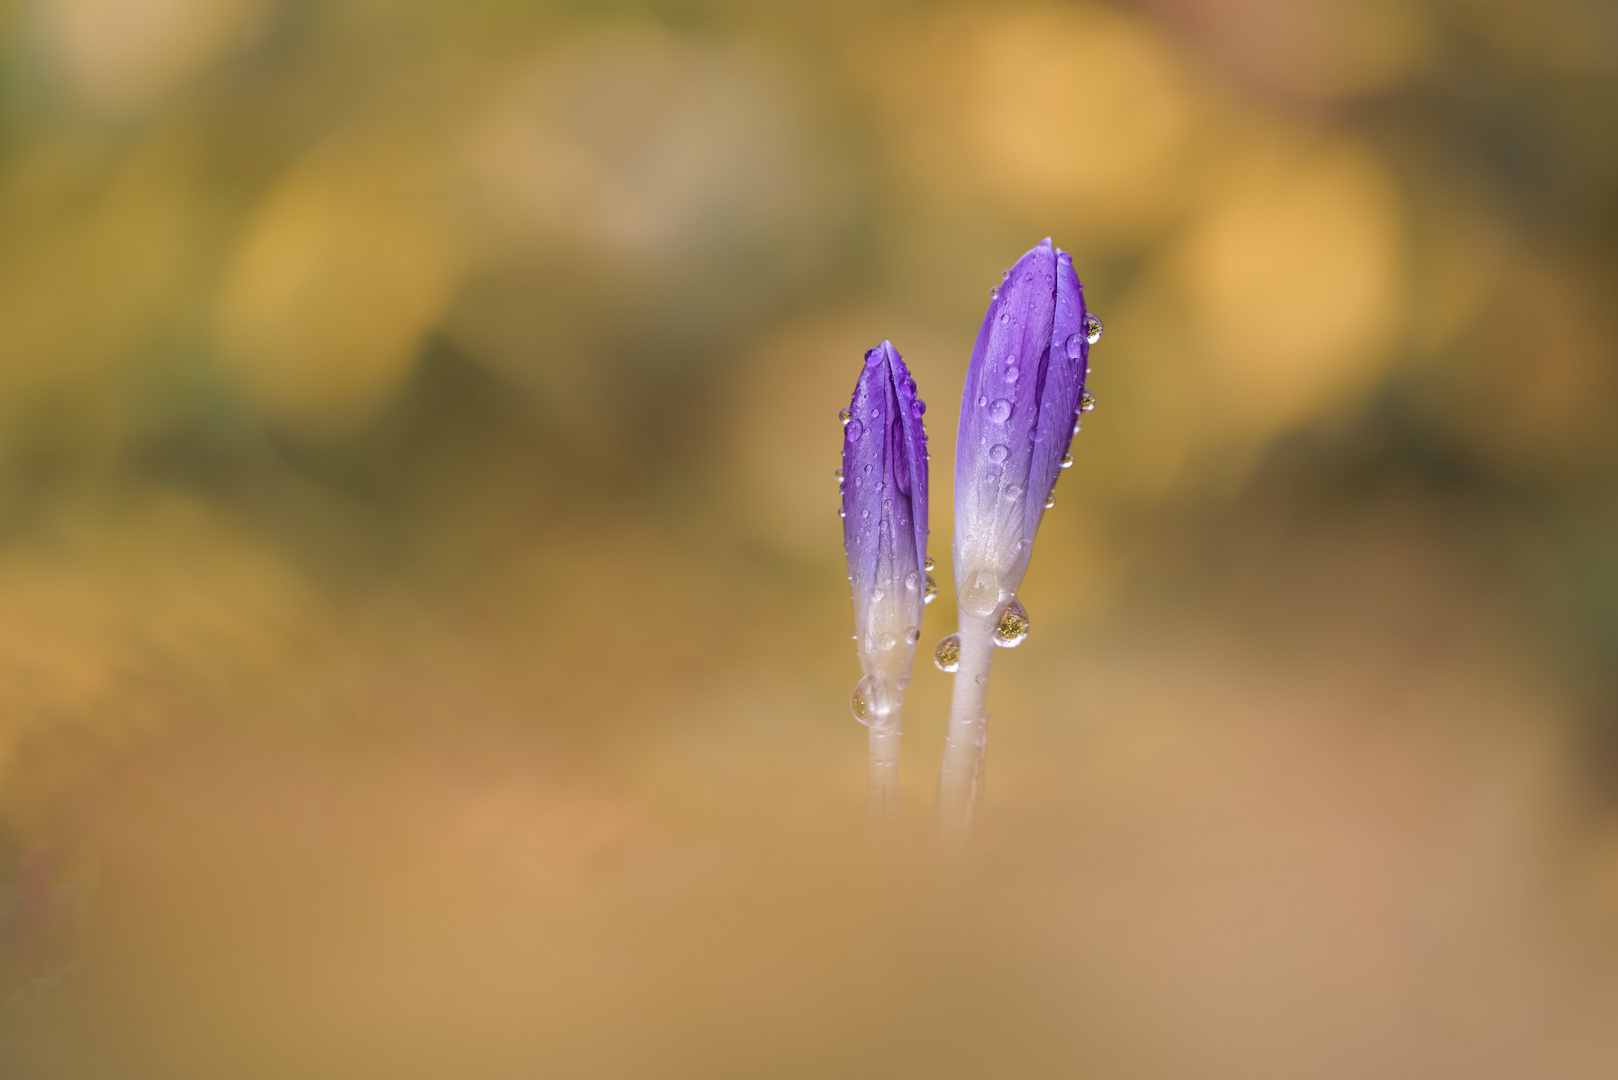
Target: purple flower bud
x: 1022, y: 395
x: 885, y: 525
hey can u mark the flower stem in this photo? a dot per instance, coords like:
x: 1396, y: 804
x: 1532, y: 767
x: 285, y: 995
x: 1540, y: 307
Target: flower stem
x: 882, y: 794
x: 960, y: 781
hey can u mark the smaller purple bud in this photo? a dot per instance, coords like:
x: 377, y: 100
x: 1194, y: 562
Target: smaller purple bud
x: 884, y: 480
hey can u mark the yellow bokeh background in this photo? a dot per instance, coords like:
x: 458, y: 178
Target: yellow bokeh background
x: 424, y: 641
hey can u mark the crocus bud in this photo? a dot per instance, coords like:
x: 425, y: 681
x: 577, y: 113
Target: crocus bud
x: 885, y: 527
x: 1018, y: 414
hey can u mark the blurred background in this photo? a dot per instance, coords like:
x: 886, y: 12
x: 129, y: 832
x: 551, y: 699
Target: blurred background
x: 424, y: 647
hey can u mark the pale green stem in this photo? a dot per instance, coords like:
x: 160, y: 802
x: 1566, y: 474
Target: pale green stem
x: 882, y: 794
x: 960, y: 780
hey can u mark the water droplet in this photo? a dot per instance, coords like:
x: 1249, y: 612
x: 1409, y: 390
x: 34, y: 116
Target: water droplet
x: 1000, y: 411
x: 839, y: 472
x: 1012, y: 373
x: 1005, y: 317
x: 981, y: 593
x: 1076, y: 427
x: 913, y: 635
x: 1086, y: 402
x: 998, y: 452
x: 1004, y: 274
x: 994, y: 292
x: 1013, y: 491
x: 929, y: 590
x: 877, y: 594
x: 865, y: 514
x: 867, y: 469
x: 886, y: 642
x: 1066, y: 462
x: 947, y: 656
x: 1092, y: 327
x: 1050, y: 500
x: 928, y: 563
x: 873, y: 357
x: 855, y: 431
x: 1013, y: 628
x: 846, y: 415
x: 841, y: 512
x: 871, y: 701
x: 980, y: 679
x: 919, y: 409
x: 982, y: 401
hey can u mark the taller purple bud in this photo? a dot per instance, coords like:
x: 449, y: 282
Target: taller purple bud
x: 884, y: 480
x: 1019, y: 413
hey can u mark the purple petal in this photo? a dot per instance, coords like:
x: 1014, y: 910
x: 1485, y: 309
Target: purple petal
x: 885, y: 497
x: 1064, y: 383
x: 1000, y: 415
x: 1022, y: 392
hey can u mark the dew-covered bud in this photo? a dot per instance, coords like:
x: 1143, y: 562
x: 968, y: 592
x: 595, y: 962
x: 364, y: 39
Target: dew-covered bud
x: 885, y: 526
x: 1018, y: 412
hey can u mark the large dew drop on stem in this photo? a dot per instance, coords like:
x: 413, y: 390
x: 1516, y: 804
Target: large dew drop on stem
x: 872, y: 700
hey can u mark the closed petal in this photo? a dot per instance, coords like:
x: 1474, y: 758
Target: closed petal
x: 885, y: 510
x: 1000, y: 414
x: 1059, y: 399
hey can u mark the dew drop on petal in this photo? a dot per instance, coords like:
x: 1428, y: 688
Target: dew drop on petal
x: 929, y: 564
x: 877, y: 594
x: 998, y: 452
x: 855, y: 430
x: 865, y: 514
x: 1050, y: 500
x: 981, y: 593
x: 913, y: 580
x: 1086, y: 401
x: 982, y: 401
x: 1013, y: 628
x: 994, y: 292
x: 1000, y: 411
x: 913, y: 635
x: 1005, y: 317
x: 1011, y: 373
x: 919, y: 409
x: 846, y: 415
x: 947, y: 656
x: 886, y: 642
x: 929, y: 589
x: 1066, y: 462
x: 1092, y: 327
x: 839, y: 472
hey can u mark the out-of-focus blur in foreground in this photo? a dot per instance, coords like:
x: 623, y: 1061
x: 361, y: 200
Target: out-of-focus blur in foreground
x: 424, y: 648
